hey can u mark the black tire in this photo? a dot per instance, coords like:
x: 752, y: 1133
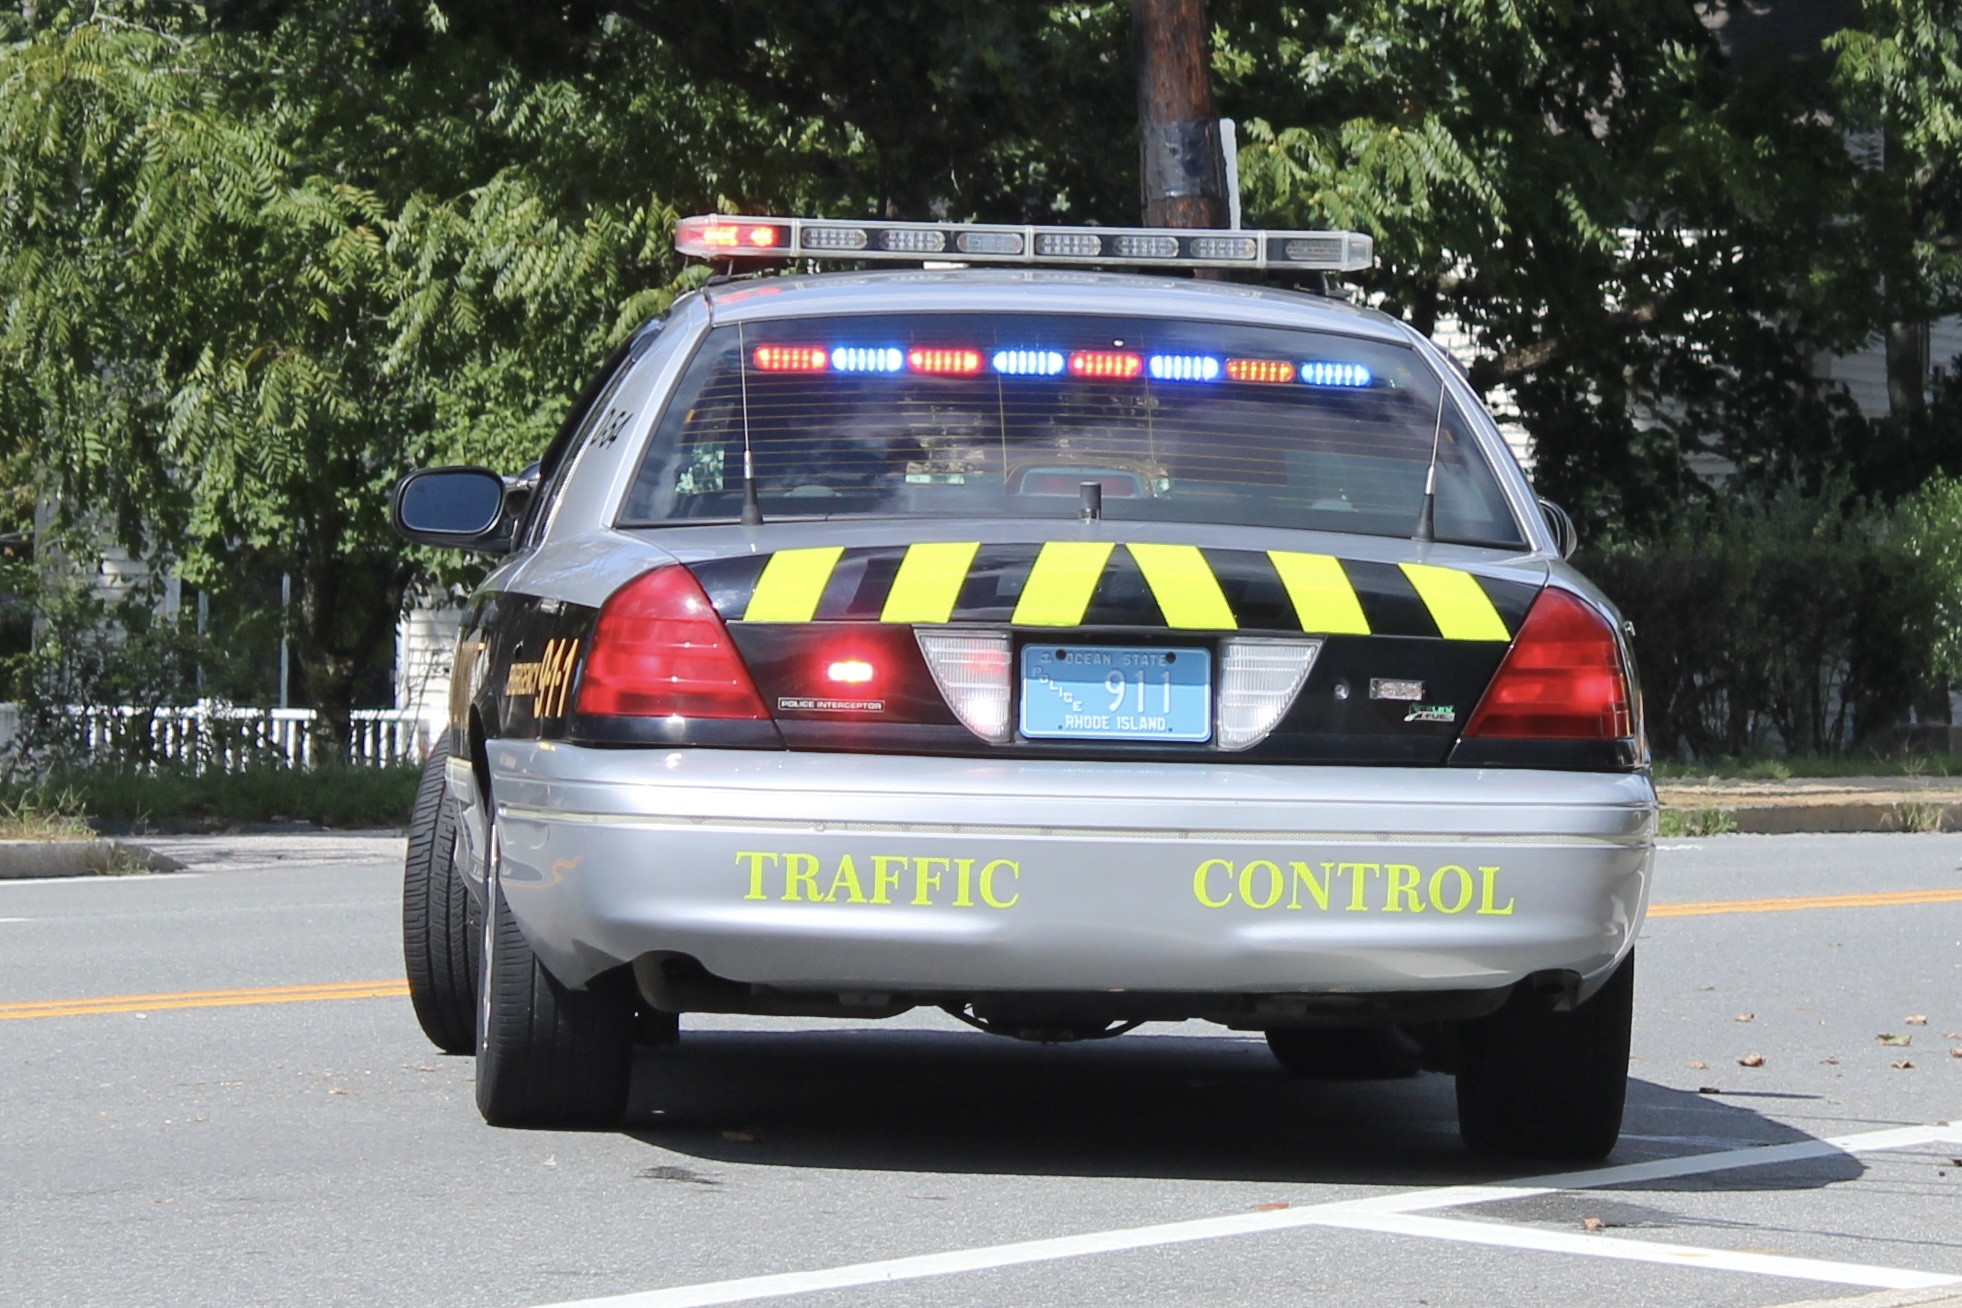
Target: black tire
x: 1345, y: 1053
x: 440, y: 923
x: 547, y: 1055
x: 1536, y: 1083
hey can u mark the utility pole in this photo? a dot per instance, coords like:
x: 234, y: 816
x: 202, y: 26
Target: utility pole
x: 1181, y: 170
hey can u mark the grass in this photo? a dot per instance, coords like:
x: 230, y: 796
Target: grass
x: 1695, y: 822
x: 120, y: 799
x: 39, y: 812
x: 1780, y: 769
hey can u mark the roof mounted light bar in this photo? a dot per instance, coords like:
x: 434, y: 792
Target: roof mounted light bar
x: 719, y: 236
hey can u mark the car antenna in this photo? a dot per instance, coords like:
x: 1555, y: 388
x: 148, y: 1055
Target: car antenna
x: 1426, y: 530
x: 752, y: 510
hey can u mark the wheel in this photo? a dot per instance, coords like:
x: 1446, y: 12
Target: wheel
x: 1345, y: 1053
x: 440, y: 922
x: 547, y: 1055
x: 1536, y: 1083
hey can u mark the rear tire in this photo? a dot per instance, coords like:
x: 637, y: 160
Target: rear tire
x: 440, y: 922
x: 547, y: 1055
x: 1536, y: 1083
x: 1345, y: 1053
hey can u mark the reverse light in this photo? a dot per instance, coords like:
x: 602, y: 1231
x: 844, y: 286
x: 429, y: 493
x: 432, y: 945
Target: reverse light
x: 660, y: 650
x: 944, y: 361
x: 791, y: 358
x: 971, y: 670
x: 1258, y: 682
x: 1105, y: 365
x: 850, y: 672
x: 1563, y: 678
x: 1259, y: 370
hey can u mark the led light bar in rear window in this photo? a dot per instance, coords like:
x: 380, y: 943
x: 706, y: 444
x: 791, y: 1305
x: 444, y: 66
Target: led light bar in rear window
x: 1028, y: 363
x: 958, y: 362
x: 715, y: 236
x: 1183, y: 367
x: 1112, y: 365
x: 1259, y: 370
x: 867, y: 358
x: 1335, y: 374
x: 791, y: 358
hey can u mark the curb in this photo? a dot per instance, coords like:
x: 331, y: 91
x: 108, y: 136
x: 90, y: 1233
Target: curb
x: 1788, y: 819
x: 1940, y: 1297
x: 25, y: 859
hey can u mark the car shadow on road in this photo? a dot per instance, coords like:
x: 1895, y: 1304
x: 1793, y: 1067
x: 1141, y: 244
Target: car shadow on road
x: 1166, y: 1106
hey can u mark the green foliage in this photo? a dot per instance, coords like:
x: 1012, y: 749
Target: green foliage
x: 1784, y: 624
x: 1676, y: 822
x: 174, y: 799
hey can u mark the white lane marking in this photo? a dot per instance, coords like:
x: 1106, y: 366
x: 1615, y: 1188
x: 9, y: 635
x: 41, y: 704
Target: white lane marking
x: 1644, y: 1251
x: 16, y: 919
x: 1387, y: 1208
x: 132, y: 879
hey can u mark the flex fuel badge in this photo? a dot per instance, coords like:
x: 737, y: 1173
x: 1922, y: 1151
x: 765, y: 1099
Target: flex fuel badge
x: 1432, y: 713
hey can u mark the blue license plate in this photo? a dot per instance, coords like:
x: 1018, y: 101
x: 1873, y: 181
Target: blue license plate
x: 1116, y: 692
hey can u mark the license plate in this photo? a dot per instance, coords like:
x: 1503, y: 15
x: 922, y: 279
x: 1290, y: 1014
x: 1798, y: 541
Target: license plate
x: 1116, y: 692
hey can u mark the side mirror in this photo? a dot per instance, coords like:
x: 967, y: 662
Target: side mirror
x: 1566, y: 537
x: 462, y: 508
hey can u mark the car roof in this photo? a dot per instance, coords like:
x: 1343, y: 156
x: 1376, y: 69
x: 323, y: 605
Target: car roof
x: 1040, y: 290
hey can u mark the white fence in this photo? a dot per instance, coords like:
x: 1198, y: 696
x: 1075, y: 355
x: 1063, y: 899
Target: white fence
x: 221, y: 736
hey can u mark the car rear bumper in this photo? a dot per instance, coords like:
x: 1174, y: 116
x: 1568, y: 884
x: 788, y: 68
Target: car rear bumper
x: 917, y: 874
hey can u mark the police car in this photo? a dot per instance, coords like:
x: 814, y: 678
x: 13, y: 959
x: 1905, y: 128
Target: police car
x: 1065, y: 649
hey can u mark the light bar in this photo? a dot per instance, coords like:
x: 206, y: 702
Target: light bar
x: 1183, y: 367
x: 718, y: 236
x: 790, y: 358
x: 1335, y: 374
x: 1028, y: 363
x: 1259, y: 370
x: 867, y: 358
x: 1105, y: 365
x: 931, y: 359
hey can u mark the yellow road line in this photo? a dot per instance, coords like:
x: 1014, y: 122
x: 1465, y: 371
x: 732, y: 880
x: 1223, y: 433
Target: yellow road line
x: 1881, y: 899
x: 203, y: 999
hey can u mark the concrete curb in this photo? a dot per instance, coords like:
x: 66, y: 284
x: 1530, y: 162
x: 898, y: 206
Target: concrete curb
x: 24, y: 859
x: 1941, y: 1297
x: 1815, y: 804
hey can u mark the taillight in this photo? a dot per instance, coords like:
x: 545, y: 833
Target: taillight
x: 659, y: 650
x: 1563, y: 678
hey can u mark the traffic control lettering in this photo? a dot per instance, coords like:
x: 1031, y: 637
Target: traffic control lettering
x: 906, y: 880
x: 1341, y: 887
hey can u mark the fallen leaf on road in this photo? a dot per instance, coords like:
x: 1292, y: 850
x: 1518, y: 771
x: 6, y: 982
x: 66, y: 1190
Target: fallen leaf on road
x: 1916, y: 1019
x: 742, y: 1137
x: 1592, y: 1223
x: 1751, y: 1060
x: 1952, y: 1035
x: 1955, y: 1053
x: 1903, y: 1065
x: 1269, y: 1208
x: 1834, y: 1060
x: 1887, y: 1039
x: 1698, y: 1064
x: 1746, y: 1017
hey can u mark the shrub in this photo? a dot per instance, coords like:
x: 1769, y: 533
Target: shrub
x: 1789, y: 623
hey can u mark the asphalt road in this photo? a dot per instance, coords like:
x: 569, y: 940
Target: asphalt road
x: 303, y: 1144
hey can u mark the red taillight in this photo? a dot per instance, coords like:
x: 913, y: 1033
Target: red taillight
x: 1563, y: 678
x: 659, y: 650
x: 699, y: 235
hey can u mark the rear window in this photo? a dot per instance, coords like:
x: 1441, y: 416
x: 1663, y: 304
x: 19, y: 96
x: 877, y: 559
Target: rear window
x: 1006, y: 416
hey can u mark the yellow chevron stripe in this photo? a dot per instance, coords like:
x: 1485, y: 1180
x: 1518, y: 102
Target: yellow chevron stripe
x: 792, y: 583
x: 929, y: 582
x: 1458, y: 604
x: 1060, y: 585
x: 1324, y: 600
x: 1187, y: 591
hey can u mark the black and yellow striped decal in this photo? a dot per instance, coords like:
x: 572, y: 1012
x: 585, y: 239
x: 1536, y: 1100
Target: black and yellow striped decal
x: 1064, y: 584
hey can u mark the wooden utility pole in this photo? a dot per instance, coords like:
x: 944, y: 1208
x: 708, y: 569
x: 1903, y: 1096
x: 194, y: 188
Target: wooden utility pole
x: 1181, y: 169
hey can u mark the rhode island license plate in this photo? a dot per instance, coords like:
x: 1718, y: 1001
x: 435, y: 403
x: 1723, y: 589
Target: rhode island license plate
x: 1117, y: 692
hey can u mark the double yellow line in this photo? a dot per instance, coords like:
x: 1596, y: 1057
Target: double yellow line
x: 203, y: 999
x: 398, y: 989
